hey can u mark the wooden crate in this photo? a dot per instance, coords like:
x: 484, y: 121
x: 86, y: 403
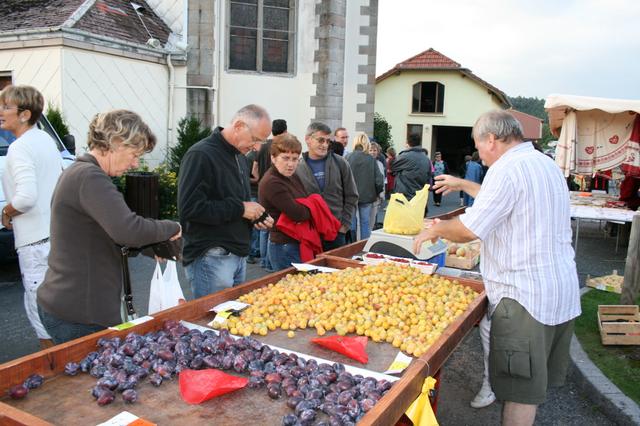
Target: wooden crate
x: 66, y: 400
x: 619, y: 324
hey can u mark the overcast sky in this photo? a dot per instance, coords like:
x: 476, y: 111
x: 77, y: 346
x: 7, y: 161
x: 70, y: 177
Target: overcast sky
x: 523, y: 47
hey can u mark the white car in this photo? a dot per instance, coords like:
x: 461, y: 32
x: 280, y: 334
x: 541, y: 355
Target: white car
x: 7, y: 250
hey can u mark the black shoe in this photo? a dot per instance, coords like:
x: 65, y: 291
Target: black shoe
x: 251, y: 260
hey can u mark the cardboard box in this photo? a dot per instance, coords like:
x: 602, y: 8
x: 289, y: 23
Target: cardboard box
x: 469, y: 261
x: 619, y: 324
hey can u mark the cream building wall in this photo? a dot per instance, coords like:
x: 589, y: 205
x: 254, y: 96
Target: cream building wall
x: 171, y: 11
x: 38, y: 67
x: 464, y: 100
x: 94, y: 82
x: 82, y: 83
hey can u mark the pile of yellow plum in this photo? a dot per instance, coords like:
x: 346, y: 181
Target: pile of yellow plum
x: 389, y: 303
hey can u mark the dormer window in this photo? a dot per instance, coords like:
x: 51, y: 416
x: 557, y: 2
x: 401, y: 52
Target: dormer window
x: 428, y: 97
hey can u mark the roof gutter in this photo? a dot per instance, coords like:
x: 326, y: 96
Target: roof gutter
x: 46, y: 32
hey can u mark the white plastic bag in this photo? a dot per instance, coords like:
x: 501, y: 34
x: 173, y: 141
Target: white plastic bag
x: 165, y: 291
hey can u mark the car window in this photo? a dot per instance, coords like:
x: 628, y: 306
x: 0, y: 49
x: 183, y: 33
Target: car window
x: 6, y: 138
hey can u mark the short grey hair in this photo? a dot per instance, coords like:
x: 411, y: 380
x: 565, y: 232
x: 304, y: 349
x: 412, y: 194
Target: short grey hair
x: 502, y: 124
x: 317, y: 126
x: 251, y: 114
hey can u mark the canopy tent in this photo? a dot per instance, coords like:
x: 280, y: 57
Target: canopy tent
x: 595, y: 134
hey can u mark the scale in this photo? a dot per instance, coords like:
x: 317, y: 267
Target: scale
x: 405, y: 243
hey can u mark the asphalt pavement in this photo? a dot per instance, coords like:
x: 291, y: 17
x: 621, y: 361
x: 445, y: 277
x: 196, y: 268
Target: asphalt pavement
x: 461, y: 376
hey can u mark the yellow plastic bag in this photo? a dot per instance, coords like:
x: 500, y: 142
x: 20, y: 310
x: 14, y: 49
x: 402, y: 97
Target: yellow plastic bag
x: 420, y: 411
x: 406, y: 217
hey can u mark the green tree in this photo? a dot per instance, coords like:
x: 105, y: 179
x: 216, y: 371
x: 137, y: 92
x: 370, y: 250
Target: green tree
x: 382, y: 131
x: 190, y: 131
x: 535, y: 107
x: 57, y: 120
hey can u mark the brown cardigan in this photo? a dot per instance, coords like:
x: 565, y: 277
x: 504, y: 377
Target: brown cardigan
x: 89, y: 218
x: 278, y: 194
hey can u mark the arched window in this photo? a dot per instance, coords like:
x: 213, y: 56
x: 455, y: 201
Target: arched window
x: 428, y: 97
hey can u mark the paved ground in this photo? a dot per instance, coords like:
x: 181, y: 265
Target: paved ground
x: 462, y: 373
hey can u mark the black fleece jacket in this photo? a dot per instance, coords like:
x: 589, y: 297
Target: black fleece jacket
x: 212, y: 185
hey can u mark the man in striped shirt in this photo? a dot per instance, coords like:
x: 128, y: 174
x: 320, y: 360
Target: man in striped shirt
x: 521, y: 213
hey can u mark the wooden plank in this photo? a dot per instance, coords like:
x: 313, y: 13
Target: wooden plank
x: 631, y: 284
x: 618, y: 309
x: 347, y: 251
x: 65, y: 400
x: 11, y: 416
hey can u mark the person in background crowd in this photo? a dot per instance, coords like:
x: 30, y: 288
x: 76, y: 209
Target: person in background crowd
x: 325, y: 173
x: 391, y: 179
x: 412, y: 168
x: 342, y: 137
x: 260, y: 167
x: 463, y: 173
x: 473, y: 174
x: 527, y: 263
x: 378, y: 205
x: 369, y: 181
x: 33, y: 165
x: 439, y: 168
x: 90, y: 222
x: 251, y: 157
x: 214, y: 202
x: 336, y: 147
x: 278, y: 191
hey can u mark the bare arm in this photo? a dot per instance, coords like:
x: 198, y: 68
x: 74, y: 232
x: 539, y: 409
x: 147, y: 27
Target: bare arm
x: 447, y: 184
x: 452, y: 230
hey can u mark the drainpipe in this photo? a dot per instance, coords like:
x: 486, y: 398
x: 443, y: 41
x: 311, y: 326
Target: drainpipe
x: 170, y: 114
x: 218, y: 67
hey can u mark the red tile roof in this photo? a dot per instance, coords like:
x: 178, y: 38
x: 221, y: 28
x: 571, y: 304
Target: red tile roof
x: 430, y: 60
x: 531, y: 125
x: 111, y: 18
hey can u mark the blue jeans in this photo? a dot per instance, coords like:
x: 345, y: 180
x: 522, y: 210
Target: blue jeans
x: 360, y: 221
x: 63, y: 331
x: 215, y: 270
x: 282, y: 256
x: 264, y: 250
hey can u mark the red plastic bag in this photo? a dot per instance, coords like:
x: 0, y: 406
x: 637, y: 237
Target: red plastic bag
x: 202, y: 385
x: 353, y: 347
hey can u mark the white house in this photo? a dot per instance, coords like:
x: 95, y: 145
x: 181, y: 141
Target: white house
x: 302, y: 60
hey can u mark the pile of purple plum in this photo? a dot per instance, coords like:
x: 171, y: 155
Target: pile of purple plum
x: 120, y: 365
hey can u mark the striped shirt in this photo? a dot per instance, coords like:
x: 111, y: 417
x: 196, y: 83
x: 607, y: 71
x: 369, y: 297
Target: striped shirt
x: 522, y: 215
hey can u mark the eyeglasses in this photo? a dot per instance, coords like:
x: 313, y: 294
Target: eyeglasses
x: 7, y: 108
x: 321, y: 139
x: 254, y: 139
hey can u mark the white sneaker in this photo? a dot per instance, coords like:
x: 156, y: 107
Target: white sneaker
x: 484, y: 398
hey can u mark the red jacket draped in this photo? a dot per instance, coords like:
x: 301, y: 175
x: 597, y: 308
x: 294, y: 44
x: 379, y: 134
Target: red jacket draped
x: 322, y: 226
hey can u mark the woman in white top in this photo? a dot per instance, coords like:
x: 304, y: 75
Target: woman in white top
x: 33, y: 165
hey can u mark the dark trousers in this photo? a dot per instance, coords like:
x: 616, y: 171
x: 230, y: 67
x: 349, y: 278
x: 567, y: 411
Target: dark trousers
x: 62, y: 331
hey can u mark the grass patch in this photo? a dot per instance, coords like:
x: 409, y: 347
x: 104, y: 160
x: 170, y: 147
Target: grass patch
x: 613, y: 361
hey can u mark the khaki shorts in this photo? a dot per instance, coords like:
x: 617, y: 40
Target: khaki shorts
x: 526, y: 357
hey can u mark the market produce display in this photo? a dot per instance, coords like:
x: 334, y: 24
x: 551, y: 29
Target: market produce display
x: 387, y: 302
x: 121, y: 366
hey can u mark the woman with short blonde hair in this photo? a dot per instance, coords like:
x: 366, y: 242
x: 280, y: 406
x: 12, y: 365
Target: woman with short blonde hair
x: 32, y: 167
x: 90, y: 222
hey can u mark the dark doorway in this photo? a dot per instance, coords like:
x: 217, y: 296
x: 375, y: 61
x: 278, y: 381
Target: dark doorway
x: 454, y: 143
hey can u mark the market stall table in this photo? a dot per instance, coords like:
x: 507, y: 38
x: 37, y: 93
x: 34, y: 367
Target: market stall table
x: 593, y: 207
x: 66, y: 400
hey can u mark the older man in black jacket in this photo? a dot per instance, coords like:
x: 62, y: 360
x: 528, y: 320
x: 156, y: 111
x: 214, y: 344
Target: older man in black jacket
x: 214, y: 202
